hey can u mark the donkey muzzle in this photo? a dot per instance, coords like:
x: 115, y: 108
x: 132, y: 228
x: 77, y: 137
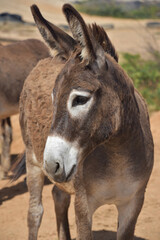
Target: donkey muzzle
x: 60, y: 159
x: 55, y: 170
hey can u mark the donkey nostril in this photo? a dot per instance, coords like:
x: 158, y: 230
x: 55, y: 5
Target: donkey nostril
x: 57, y: 167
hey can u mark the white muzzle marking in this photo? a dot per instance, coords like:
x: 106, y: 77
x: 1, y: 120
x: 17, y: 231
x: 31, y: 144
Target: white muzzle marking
x: 58, y: 150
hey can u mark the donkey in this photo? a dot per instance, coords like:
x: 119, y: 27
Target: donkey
x: 86, y: 127
x: 16, y: 61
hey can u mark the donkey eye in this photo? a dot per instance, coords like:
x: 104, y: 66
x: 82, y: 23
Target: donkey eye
x: 80, y: 100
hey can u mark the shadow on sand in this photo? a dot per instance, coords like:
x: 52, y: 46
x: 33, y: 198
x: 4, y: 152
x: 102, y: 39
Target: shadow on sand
x: 10, y: 191
x: 108, y: 235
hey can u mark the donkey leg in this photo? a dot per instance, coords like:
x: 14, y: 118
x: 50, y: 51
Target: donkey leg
x: 127, y: 217
x: 6, y: 139
x: 35, y: 181
x: 83, y: 214
x: 62, y: 202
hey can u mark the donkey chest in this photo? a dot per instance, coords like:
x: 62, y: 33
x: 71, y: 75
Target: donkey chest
x: 116, y: 190
x: 120, y: 189
x: 111, y: 183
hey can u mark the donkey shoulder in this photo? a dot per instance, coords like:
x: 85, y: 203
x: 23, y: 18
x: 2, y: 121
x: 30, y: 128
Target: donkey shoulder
x: 35, y: 103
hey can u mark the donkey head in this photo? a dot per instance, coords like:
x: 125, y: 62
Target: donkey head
x: 85, y: 100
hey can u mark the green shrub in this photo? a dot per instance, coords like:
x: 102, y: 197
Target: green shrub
x: 145, y: 12
x: 146, y: 77
x: 101, y: 10
x: 106, y: 9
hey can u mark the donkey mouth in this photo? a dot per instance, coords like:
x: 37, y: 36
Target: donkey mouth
x: 62, y: 178
x: 70, y: 175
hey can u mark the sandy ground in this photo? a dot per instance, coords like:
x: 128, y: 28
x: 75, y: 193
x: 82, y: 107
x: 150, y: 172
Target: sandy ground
x: 14, y: 204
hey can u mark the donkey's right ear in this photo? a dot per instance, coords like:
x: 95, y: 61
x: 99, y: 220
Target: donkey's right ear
x: 54, y: 36
x: 80, y: 32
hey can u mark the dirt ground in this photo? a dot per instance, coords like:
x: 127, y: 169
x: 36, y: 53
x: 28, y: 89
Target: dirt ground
x: 127, y: 36
x: 14, y: 204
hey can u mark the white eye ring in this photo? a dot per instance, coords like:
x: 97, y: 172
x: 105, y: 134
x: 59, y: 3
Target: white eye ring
x: 79, y: 110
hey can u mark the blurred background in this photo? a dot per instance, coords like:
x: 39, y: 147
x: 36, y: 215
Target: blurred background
x: 134, y: 29
x: 133, y: 26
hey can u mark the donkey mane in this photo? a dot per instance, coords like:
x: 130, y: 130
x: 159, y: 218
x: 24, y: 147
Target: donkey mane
x: 102, y: 38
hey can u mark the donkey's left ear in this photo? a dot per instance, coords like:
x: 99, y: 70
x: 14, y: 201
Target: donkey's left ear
x: 54, y: 36
x: 91, y: 50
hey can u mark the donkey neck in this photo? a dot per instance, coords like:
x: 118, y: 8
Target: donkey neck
x: 130, y: 114
x: 130, y: 125
x: 130, y: 135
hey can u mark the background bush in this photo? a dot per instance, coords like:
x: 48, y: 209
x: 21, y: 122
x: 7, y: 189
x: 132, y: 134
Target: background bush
x: 111, y: 9
x: 146, y: 77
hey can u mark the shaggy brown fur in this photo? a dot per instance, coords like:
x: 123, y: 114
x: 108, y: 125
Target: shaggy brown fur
x: 39, y: 103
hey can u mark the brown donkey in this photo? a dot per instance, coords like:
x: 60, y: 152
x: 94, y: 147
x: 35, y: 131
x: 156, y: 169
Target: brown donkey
x: 16, y: 62
x: 92, y: 137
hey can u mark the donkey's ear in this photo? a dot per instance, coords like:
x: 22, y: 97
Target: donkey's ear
x: 54, y: 36
x: 91, y: 49
x: 80, y: 32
